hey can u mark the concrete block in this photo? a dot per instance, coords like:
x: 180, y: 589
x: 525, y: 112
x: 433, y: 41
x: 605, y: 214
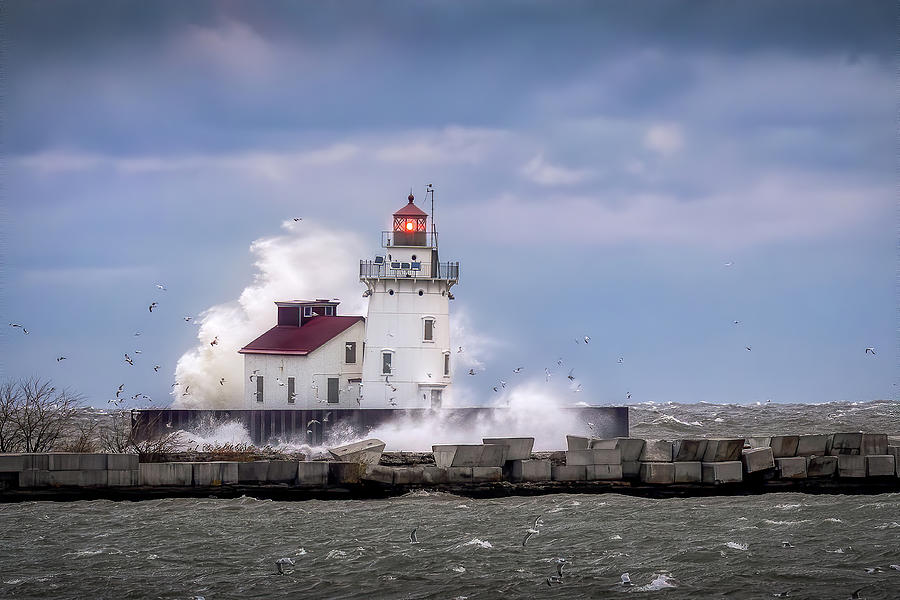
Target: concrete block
x: 282, y: 471
x: 844, y: 443
x: 33, y: 478
x: 594, y: 457
x: 603, y: 472
x: 688, y: 472
x: 577, y: 442
x: 409, y: 476
x: 516, y: 448
x: 253, y: 472
x: 757, y: 442
x: 723, y: 472
x: 851, y: 465
x: 347, y: 473
x: 880, y: 465
x: 657, y: 472
x: 723, y: 450
x: 895, y: 452
x: 657, y: 451
x: 459, y: 474
x: 367, y: 452
x: 86, y: 478
x: 812, y: 445
x: 631, y: 469
x: 821, y: 466
x: 434, y: 475
x: 122, y: 462
x: 486, y: 474
x: 312, y: 474
x: 873, y: 444
x: 378, y: 473
x: 215, y: 473
x: 166, y: 474
x: 458, y: 455
x: 14, y: 463
x: 791, y: 467
x: 122, y: 477
x: 629, y: 448
x: 689, y: 450
x: 39, y: 461
x: 568, y: 472
x: 530, y: 470
x: 784, y: 446
x: 493, y: 455
x: 59, y: 461
x: 757, y: 459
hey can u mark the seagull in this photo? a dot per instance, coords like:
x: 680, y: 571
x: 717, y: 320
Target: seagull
x: 538, y: 521
x: 309, y: 432
x: 783, y: 594
x: 587, y: 339
x: 386, y: 380
x: 60, y: 358
x: 137, y: 334
x: 471, y: 371
x: 749, y: 349
x: 502, y: 383
x: 153, y: 305
x: 460, y: 350
x: 518, y: 369
x: 872, y: 350
x: 391, y: 402
x: 736, y: 322
x: 547, y: 371
x: 412, y: 536
x: 870, y: 570
x: 297, y: 219
x: 15, y: 325
x: 530, y: 533
x: 279, y: 381
x: 311, y: 421
x: 187, y: 319
x: 621, y: 360
x: 129, y: 360
x: 855, y: 595
x: 559, y: 568
x: 215, y: 341
x: 119, y: 391
x: 895, y: 567
x: 553, y: 579
x: 559, y: 362
x: 325, y: 418
x: 786, y: 545
x: 571, y: 375
x: 580, y: 388
x: 156, y: 368
x: 495, y: 388
x: 628, y: 396
x: 429, y: 375
x: 138, y: 352
x: 222, y: 381
x: 161, y: 287
x: 626, y: 580
x: 281, y: 562
x: 729, y: 263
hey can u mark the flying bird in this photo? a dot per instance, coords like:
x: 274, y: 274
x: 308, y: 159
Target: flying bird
x: 460, y: 350
x: 471, y: 371
x: 495, y: 388
x: 518, y: 369
x: 587, y: 339
x: 60, y: 358
x: 621, y: 360
x: 187, y: 319
x: 547, y: 372
x: 579, y: 388
x: 137, y: 334
x: 553, y: 579
x: 222, y: 381
x: 870, y: 351
x: 311, y: 421
x: 161, y: 287
x: 413, y: 539
x: 626, y: 580
x: 156, y: 368
x: 215, y: 341
x: 528, y: 535
x: 279, y: 564
x: 571, y: 375
x: 153, y: 305
x: 279, y: 381
x: 120, y: 390
x: 129, y: 360
x: 628, y: 395
x: 748, y: 348
x: 297, y: 219
x: 325, y: 418
x: 729, y: 263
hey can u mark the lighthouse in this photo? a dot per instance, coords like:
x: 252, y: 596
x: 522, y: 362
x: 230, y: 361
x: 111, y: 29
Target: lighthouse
x: 407, y: 357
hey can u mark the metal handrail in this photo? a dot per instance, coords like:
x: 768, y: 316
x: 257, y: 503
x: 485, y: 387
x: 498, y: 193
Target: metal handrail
x: 417, y: 239
x: 445, y: 270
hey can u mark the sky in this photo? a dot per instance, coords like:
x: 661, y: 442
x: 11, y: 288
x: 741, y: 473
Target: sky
x: 644, y: 174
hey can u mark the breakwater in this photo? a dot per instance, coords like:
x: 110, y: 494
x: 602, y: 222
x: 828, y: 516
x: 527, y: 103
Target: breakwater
x: 832, y: 463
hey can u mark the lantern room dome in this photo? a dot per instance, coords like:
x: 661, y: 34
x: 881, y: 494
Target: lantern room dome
x: 411, y: 210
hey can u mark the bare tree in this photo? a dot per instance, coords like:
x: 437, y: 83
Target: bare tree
x: 36, y: 414
x: 117, y: 435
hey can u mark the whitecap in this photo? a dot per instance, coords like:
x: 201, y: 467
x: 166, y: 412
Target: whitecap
x: 335, y: 554
x: 787, y: 506
x: 300, y: 552
x: 479, y: 543
x: 771, y: 522
x: 459, y: 569
x: 890, y: 525
x: 737, y: 546
x: 660, y: 582
x: 616, y: 537
x: 833, y: 520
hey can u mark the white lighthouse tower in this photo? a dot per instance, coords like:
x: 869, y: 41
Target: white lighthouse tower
x: 407, y: 354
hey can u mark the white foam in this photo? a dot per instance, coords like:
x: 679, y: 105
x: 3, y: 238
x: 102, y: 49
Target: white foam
x: 737, y: 546
x: 479, y: 543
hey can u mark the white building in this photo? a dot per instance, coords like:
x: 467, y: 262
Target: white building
x: 397, y: 357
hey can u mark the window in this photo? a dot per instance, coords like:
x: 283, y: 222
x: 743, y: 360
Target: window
x: 333, y: 390
x: 259, y: 388
x: 446, y: 363
x: 350, y: 353
x: 329, y: 311
x: 290, y: 387
x: 386, y: 358
x: 429, y: 330
x: 307, y: 311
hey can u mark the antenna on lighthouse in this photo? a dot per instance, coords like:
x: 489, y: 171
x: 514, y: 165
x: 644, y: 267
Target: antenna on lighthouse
x: 429, y: 189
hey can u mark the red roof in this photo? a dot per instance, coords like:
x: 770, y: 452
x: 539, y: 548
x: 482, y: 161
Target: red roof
x: 411, y: 210
x: 287, y: 339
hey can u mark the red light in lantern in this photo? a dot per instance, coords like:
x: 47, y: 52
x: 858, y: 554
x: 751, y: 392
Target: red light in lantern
x: 409, y: 225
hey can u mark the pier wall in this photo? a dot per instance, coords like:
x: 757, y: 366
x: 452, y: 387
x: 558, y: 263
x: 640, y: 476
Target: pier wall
x: 664, y: 468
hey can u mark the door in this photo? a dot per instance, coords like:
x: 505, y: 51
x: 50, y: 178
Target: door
x: 436, y: 398
x: 333, y: 390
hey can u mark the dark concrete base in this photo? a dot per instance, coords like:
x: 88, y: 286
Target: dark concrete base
x: 270, y: 425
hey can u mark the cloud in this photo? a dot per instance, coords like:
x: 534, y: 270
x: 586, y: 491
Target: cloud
x: 666, y: 139
x: 451, y: 144
x: 542, y: 172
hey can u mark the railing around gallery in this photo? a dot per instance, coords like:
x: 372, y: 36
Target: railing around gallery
x: 408, y: 269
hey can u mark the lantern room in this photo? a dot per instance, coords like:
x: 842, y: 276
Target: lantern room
x: 410, y: 225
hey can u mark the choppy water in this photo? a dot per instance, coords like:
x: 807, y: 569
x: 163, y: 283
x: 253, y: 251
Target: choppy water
x: 711, y: 547
x: 702, y: 547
